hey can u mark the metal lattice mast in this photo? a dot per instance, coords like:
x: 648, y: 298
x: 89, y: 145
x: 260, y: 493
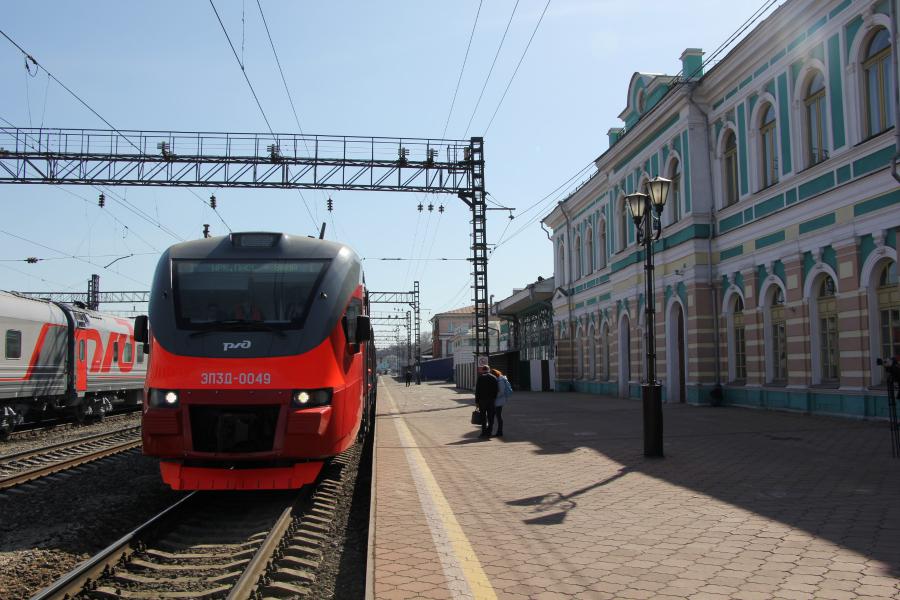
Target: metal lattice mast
x: 408, y: 341
x: 417, y: 332
x: 478, y: 203
x: 93, y: 299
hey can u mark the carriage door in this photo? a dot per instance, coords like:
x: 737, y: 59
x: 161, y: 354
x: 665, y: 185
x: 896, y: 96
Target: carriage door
x: 80, y: 361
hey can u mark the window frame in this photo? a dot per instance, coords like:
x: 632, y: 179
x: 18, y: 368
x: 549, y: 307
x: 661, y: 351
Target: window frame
x: 881, y: 61
x: 13, y: 334
x: 815, y: 108
x: 730, y: 169
x: 768, y: 147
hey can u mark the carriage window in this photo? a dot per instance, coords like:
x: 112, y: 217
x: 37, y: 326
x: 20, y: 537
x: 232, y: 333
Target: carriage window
x: 81, y: 350
x: 126, y: 358
x: 140, y: 353
x: 13, y: 343
x: 115, y: 351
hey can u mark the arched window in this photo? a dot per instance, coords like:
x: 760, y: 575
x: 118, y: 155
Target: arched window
x: 641, y: 101
x: 889, y: 310
x: 877, y: 72
x: 591, y: 342
x: 601, y: 245
x: 816, y: 138
x: 590, y: 250
x: 767, y: 156
x: 740, y: 340
x: 778, y: 333
x: 730, y: 176
x: 622, y: 225
x: 675, y: 191
x: 578, y: 257
x: 829, y: 355
x: 561, y: 253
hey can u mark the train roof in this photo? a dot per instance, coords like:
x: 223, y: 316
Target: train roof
x: 261, y: 244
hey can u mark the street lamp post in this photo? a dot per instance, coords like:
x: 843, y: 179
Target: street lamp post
x: 646, y: 209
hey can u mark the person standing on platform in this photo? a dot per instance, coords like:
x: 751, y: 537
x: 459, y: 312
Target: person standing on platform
x: 485, y: 395
x: 408, y: 377
x: 504, y: 391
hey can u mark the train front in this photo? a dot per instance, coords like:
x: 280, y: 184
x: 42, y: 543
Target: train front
x: 257, y: 368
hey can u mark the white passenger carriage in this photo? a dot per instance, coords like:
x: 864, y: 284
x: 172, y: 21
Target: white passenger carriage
x: 64, y: 358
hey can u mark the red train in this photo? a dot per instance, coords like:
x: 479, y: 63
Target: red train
x: 261, y: 361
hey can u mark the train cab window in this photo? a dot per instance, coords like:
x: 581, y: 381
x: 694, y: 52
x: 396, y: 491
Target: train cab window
x: 126, y: 357
x: 13, y: 344
x: 81, y: 350
x: 115, y: 351
x: 212, y: 293
x: 140, y: 353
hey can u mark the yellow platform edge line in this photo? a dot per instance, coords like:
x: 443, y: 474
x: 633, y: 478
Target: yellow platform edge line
x: 478, y: 581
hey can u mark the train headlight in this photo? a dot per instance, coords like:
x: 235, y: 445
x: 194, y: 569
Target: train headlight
x: 311, y: 398
x: 164, y: 398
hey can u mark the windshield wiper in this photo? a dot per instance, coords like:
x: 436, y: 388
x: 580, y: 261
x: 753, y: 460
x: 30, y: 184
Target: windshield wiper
x: 237, y: 325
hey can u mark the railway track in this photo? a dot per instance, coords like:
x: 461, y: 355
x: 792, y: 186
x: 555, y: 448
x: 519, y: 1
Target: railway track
x: 218, y: 545
x: 35, y: 429
x: 21, y: 467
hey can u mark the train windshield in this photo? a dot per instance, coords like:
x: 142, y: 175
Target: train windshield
x: 251, y: 294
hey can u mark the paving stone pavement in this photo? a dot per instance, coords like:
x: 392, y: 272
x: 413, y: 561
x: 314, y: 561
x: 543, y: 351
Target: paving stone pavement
x: 747, y: 504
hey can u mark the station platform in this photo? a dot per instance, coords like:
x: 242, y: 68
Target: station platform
x: 747, y: 504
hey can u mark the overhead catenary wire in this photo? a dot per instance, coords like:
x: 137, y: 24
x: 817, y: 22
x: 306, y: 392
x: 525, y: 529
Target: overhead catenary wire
x: 293, y: 110
x: 519, y: 64
x: 243, y: 70
x: 84, y: 260
x: 491, y: 70
x: 65, y: 87
x: 462, y: 69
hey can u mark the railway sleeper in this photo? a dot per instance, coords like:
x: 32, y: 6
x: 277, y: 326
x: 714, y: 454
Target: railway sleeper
x: 107, y: 592
x: 282, y: 589
x: 310, y: 549
x: 289, y: 575
x: 204, y: 538
x: 162, y: 555
x: 126, y: 577
x: 139, y: 563
x: 289, y: 561
x: 180, y: 544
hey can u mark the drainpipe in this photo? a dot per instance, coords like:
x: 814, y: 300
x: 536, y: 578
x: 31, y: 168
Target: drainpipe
x: 895, y: 57
x: 566, y: 292
x: 709, y: 241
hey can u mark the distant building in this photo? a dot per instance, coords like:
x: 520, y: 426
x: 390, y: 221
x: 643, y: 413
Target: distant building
x: 447, y: 324
x: 776, y: 276
x: 463, y: 344
x: 528, y: 314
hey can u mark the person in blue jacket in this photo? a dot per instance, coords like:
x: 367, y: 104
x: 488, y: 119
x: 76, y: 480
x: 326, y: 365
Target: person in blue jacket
x: 504, y: 391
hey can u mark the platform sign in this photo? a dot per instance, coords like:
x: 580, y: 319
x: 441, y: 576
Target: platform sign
x: 482, y: 361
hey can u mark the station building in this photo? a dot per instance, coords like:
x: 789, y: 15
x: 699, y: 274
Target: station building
x: 776, y: 273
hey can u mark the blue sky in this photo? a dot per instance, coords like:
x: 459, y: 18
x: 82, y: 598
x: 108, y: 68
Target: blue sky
x: 353, y: 68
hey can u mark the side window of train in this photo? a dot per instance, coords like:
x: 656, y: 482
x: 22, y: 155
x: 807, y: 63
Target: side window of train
x: 115, y: 351
x: 13, y: 344
x: 127, y: 355
x: 354, y: 309
x: 140, y: 353
x: 81, y: 350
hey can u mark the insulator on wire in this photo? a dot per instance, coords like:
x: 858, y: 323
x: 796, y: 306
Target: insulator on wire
x: 102, y: 201
x: 212, y: 201
x: 441, y: 208
x: 420, y: 207
x: 330, y: 204
x: 431, y: 208
x: 31, y: 260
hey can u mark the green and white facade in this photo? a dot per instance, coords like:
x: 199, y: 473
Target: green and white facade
x: 776, y: 275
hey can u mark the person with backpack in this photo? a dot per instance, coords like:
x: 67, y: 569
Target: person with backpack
x: 504, y: 391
